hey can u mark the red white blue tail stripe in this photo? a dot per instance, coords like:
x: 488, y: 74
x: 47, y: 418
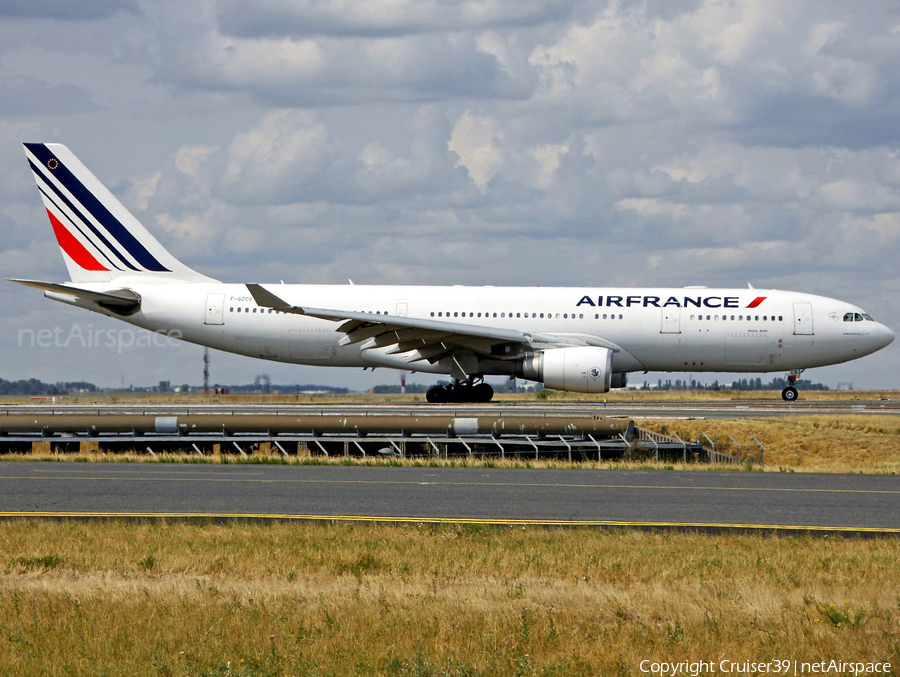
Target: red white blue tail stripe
x: 85, y: 228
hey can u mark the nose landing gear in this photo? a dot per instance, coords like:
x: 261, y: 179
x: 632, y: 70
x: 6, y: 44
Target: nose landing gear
x: 460, y: 391
x: 790, y: 394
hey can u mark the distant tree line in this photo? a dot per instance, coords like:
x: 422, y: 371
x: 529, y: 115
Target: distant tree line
x: 286, y: 389
x: 776, y: 383
x: 33, y: 386
x: 394, y: 389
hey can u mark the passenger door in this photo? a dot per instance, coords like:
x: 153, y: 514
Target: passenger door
x: 215, y: 309
x: 803, y: 319
x: 671, y: 321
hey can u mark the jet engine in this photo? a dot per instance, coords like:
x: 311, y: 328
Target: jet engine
x: 581, y: 369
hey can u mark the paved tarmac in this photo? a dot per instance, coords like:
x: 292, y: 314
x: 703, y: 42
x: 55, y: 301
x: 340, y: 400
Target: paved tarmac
x: 691, y: 499
x: 637, y: 409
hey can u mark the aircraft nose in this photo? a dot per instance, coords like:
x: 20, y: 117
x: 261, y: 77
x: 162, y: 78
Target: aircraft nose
x: 887, y: 335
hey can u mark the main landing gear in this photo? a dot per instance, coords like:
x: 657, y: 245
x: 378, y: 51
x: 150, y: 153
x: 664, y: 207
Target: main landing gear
x: 460, y: 391
x: 790, y: 394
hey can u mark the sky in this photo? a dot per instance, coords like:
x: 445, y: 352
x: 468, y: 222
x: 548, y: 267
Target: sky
x: 485, y: 142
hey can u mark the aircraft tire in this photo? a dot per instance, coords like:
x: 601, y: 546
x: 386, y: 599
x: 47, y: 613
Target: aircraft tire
x: 790, y: 394
x: 463, y: 393
x: 483, y: 392
x: 437, y: 395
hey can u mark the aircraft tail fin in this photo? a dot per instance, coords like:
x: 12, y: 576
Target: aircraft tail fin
x: 100, y: 239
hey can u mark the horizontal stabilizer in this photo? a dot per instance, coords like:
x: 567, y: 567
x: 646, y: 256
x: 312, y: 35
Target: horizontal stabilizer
x: 120, y: 301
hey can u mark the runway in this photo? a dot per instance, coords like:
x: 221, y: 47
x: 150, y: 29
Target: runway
x: 636, y: 409
x: 785, y: 502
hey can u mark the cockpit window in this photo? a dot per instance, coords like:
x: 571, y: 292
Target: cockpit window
x: 857, y: 317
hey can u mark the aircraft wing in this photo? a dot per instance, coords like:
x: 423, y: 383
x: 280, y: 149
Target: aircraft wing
x: 427, y: 339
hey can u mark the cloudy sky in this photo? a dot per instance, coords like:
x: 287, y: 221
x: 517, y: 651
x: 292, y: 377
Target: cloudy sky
x: 483, y: 142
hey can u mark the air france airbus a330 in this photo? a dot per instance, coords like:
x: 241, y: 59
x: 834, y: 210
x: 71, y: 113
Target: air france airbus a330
x: 585, y: 340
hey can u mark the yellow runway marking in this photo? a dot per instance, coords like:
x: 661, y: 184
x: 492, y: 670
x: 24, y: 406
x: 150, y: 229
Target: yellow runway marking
x: 168, y: 478
x: 447, y: 520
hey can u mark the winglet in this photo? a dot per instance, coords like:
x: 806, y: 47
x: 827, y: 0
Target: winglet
x: 267, y: 299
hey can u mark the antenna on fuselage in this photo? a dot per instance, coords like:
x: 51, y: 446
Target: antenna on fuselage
x: 749, y: 286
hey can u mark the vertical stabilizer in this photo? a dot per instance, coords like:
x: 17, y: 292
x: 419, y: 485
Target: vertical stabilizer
x: 99, y: 238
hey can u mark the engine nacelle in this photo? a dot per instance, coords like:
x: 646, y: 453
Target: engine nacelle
x: 582, y: 369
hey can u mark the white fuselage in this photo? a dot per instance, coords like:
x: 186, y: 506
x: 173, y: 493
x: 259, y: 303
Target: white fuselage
x: 684, y: 329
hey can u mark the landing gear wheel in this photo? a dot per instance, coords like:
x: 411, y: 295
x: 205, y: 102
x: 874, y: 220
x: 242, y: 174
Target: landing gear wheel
x: 463, y: 392
x: 789, y: 394
x: 437, y: 395
x: 482, y: 392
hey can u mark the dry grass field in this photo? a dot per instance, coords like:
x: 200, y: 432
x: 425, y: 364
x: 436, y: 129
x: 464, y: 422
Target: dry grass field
x: 851, y: 443
x: 171, y: 598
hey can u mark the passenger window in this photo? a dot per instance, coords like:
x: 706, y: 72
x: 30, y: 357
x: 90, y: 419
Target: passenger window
x: 580, y: 316
x: 620, y: 316
x: 231, y: 310
x: 239, y: 310
x: 693, y: 316
x: 565, y: 316
x: 604, y: 316
x: 596, y: 316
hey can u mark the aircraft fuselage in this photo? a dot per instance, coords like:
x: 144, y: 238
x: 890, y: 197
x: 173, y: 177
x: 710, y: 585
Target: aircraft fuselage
x: 696, y: 330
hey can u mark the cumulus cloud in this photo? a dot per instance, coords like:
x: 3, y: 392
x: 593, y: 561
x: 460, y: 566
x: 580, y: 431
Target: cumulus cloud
x: 476, y: 140
x: 23, y: 95
x: 488, y: 142
x: 363, y: 18
x: 283, y: 154
x: 65, y: 11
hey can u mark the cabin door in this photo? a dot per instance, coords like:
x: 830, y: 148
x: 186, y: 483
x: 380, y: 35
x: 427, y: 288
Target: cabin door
x: 803, y: 320
x: 215, y: 309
